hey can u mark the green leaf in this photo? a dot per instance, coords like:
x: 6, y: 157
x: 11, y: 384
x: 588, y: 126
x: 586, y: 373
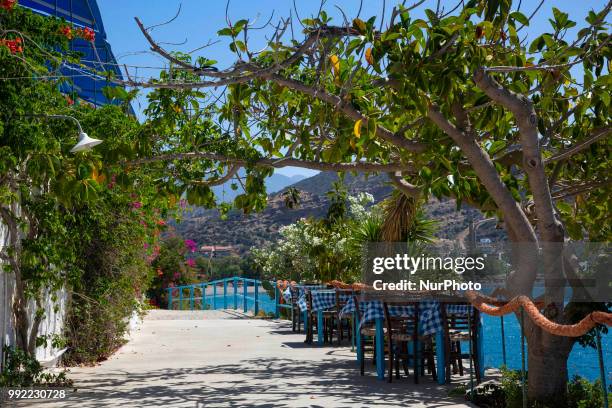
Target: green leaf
x: 240, y: 24
x: 225, y: 32
x: 497, y: 146
x: 520, y: 17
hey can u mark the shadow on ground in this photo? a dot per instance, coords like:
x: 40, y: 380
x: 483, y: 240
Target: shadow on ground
x: 262, y: 382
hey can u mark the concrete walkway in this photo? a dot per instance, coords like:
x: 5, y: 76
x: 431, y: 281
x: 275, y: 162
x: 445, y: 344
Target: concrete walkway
x: 223, y: 359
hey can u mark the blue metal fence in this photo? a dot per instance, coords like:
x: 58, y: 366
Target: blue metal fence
x: 237, y: 293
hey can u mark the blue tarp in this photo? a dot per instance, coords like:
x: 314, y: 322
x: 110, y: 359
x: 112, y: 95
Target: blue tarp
x: 82, y: 13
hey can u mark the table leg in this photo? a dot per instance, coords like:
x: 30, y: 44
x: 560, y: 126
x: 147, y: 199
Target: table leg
x: 354, y: 328
x: 380, y: 349
x: 357, y: 337
x: 320, y: 327
x: 440, y: 358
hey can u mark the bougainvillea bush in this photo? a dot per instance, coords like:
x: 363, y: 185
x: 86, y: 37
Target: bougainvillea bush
x: 86, y: 223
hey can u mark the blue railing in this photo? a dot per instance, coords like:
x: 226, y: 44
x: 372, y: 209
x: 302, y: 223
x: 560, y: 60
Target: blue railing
x: 236, y: 293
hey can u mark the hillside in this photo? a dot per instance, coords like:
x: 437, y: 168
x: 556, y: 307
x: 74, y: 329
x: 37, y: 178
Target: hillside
x: 274, y: 183
x: 244, y: 231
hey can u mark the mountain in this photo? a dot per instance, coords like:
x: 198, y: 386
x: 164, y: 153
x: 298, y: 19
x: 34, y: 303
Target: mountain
x: 245, y: 231
x: 274, y: 183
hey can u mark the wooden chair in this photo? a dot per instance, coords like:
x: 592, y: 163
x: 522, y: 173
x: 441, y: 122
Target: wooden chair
x: 313, y: 321
x: 400, y: 331
x: 343, y: 322
x: 460, y: 328
x: 310, y: 322
x: 366, y: 332
x: 296, y: 314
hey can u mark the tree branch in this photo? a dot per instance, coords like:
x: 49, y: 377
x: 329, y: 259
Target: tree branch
x: 275, y: 163
x: 486, y: 172
x: 526, y: 118
x: 349, y: 111
x: 231, y: 172
x: 313, y: 37
x: 402, y: 185
x: 599, y: 134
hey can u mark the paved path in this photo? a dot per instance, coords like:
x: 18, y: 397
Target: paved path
x: 222, y: 359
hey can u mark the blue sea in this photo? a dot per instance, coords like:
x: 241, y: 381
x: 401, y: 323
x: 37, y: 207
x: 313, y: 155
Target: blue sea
x: 582, y: 361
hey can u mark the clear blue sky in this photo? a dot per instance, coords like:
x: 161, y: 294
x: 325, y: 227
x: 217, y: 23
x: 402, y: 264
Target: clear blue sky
x: 199, y: 21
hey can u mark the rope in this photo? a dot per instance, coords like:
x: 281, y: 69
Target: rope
x: 571, y: 330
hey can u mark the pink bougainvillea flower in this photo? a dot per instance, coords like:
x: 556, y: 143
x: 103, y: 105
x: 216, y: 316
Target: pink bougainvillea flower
x: 136, y: 204
x: 176, y: 275
x: 191, y: 263
x: 111, y: 185
x: 191, y: 245
x: 145, y: 246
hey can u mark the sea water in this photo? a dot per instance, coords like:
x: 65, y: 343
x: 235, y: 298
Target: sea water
x: 582, y: 361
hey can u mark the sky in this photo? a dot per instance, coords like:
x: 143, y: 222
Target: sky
x: 199, y: 20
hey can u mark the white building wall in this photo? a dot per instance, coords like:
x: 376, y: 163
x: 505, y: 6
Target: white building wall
x: 53, y: 322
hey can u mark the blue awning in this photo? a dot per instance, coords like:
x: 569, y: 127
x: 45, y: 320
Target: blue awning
x: 82, y: 13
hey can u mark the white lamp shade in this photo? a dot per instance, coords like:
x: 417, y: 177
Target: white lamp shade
x: 85, y: 143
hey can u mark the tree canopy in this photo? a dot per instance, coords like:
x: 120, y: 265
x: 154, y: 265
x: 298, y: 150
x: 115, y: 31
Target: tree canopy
x: 460, y: 104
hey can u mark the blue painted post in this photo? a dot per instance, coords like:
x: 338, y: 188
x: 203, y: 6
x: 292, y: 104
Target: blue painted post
x: 204, y: 296
x: 440, y: 357
x: 235, y: 293
x: 245, y: 291
x: 169, y: 298
x: 480, y: 354
x: 503, y: 339
x: 191, y: 295
x: 320, y: 327
x: 380, y: 349
x: 523, y: 377
x: 354, y: 328
x: 256, y: 306
x: 357, y: 336
x: 276, y: 300
x: 180, y: 298
x: 215, y: 296
x: 602, y: 371
x: 225, y: 293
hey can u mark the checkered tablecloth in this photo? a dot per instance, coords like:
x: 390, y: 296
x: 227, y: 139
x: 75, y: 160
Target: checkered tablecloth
x: 322, y: 299
x: 287, y: 295
x: 301, y: 290
x: 430, y: 319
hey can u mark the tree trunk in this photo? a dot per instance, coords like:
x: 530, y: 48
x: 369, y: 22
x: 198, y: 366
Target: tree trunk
x: 21, y: 321
x: 547, y: 362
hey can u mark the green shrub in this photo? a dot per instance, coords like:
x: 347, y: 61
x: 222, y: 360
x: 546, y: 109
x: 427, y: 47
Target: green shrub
x: 23, y: 370
x: 509, y: 394
x: 583, y: 394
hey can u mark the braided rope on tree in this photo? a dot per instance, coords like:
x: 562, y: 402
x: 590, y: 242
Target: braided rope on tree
x: 566, y: 330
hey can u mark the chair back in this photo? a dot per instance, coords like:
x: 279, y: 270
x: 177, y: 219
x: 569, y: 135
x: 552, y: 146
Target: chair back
x: 308, y: 300
x: 295, y: 294
x: 402, y: 324
x: 365, y: 296
x: 342, y: 297
x: 459, y: 322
